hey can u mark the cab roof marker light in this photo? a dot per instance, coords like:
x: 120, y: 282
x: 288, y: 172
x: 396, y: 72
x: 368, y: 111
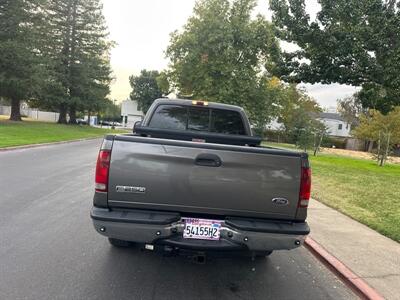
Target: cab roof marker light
x: 195, y: 102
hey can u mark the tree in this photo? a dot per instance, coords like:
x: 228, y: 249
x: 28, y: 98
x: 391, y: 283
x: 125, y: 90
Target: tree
x: 307, y: 132
x: 220, y: 56
x: 294, y: 104
x: 79, y: 55
x: 383, y: 129
x: 268, y: 95
x: 350, y: 42
x: 350, y: 108
x: 145, y: 88
x: 21, y: 68
x: 110, y: 111
x: 163, y: 83
x: 298, y: 114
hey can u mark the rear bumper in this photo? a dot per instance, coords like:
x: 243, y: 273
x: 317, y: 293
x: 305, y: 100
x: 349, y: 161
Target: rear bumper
x: 164, y: 228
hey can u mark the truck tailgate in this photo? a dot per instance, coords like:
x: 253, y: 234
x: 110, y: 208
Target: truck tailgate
x: 204, y: 178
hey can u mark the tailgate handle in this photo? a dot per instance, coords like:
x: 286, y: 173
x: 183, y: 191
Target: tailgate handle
x: 208, y: 160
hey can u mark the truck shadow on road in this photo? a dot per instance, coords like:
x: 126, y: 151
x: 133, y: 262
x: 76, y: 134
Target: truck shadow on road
x: 136, y: 274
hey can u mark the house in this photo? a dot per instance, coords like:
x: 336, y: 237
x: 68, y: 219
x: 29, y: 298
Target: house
x: 339, y: 129
x: 336, y: 125
x: 130, y: 113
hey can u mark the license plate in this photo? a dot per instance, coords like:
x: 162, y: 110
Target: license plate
x: 202, y: 229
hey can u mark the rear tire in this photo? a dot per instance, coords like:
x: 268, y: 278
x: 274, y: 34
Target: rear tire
x: 120, y: 243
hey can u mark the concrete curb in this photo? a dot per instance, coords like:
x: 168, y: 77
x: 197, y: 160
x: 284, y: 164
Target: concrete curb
x: 46, y: 144
x: 357, y: 284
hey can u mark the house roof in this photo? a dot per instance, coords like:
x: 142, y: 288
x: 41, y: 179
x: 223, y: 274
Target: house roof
x: 332, y: 116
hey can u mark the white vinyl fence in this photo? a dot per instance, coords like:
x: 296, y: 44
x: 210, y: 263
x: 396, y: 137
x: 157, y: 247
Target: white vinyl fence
x: 32, y: 113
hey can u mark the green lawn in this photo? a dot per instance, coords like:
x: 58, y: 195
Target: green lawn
x: 33, y: 132
x: 359, y: 188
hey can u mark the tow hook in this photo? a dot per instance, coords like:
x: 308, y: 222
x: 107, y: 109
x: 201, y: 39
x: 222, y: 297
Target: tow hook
x: 199, y: 259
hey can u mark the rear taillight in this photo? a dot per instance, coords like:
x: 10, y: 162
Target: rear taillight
x: 102, y: 167
x: 305, y: 186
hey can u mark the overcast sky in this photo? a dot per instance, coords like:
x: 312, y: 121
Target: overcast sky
x: 141, y: 30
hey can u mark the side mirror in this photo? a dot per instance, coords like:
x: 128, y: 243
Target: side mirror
x: 136, y: 125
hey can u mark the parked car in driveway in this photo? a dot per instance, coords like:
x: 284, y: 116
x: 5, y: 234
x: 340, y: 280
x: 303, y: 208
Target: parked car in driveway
x: 193, y: 177
x: 109, y: 123
x: 81, y: 121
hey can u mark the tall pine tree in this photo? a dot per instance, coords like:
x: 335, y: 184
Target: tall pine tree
x: 79, y: 52
x: 21, y: 65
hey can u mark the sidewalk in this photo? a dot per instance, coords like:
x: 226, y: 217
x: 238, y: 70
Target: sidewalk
x: 372, y: 256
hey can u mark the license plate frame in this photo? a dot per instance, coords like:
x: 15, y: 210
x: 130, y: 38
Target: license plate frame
x: 202, y: 229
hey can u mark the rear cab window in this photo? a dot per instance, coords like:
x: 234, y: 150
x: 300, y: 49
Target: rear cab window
x: 195, y: 118
x: 169, y: 117
x: 198, y: 119
x: 227, y: 122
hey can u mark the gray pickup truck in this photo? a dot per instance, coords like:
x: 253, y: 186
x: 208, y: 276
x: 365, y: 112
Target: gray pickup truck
x: 192, y: 177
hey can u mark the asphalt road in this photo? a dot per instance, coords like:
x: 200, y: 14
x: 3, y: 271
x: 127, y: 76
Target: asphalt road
x: 49, y: 249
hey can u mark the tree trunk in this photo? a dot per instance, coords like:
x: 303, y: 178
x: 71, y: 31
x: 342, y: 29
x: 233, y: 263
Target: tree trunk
x: 72, y: 115
x: 318, y: 145
x: 387, y: 148
x: 62, y: 119
x: 15, y: 110
x: 379, y: 148
x: 381, y: 161
x: 370, y: 146
x: 88, y: 119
